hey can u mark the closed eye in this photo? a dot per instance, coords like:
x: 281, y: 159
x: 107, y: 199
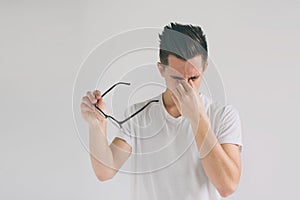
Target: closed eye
x: 193, y: 78
x: 181, y: 78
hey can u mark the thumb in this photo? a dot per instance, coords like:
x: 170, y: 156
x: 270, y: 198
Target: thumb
x: 175, y: 101
x: 192, y: 83
x: 101, y: 104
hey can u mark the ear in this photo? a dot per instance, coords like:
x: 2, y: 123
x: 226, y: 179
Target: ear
x: 205, y: 66
x: 161, y: 69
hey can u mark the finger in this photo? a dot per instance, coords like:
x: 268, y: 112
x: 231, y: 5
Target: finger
x: 186, y: 85
x: 180, y: 90
x: 192, y: 84
x: 174, y: 98
x: 182, y: 87
x: 177, y: 94
x: 85, y: 108
x: 100, y: 103
x: 97, y: 94
x: 175, y: 101
x: 86, y: 100
x: 91, y: 97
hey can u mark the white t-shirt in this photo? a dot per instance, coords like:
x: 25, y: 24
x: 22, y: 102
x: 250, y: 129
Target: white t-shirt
x: 165, y: 162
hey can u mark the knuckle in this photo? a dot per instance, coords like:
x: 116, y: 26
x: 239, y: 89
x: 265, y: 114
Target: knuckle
x: 97, y: 93
x: 86, y: 100
x: 83, y: 107
x: 83, y: 98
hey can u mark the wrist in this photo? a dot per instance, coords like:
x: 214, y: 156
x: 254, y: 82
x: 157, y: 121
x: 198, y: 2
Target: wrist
x: 98, y: 124
x: 200, y: 125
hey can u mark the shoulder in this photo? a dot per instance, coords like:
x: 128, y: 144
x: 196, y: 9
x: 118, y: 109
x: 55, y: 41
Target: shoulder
x: 213, y: 107
x: 228, y: 114
x: 220, y: 114
x: 139, y: 105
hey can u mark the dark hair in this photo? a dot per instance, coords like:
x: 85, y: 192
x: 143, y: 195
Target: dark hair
x: 182, y: 41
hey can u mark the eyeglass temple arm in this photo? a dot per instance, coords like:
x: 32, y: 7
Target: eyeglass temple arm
x: 142, y: 108
x: 112, y: 87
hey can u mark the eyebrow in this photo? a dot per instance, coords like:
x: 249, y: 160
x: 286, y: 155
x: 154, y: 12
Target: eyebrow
x: 177, y: 77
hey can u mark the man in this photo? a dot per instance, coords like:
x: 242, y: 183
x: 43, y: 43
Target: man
x: 199, y: 141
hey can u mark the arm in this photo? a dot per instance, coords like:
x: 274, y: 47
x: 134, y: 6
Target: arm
x: 222, y: 164
x: 106, y: 159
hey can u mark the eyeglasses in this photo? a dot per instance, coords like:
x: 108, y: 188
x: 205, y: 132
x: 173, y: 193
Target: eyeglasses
x: 119, y: 123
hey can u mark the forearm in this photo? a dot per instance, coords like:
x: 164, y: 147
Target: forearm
x: 221, y: 170
x: 100, y: 152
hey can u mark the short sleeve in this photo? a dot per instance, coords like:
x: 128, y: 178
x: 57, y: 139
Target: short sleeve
x: 124, y: 133
x: 230, y: 130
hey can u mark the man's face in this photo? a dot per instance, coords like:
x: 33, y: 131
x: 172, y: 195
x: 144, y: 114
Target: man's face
x: 178, y: 69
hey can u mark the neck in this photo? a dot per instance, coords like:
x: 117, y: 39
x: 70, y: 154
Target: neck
x: 169, y: 104
x: 168, y: 101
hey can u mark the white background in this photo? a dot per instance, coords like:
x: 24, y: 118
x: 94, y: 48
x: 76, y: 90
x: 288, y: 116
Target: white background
x: 255, y: 44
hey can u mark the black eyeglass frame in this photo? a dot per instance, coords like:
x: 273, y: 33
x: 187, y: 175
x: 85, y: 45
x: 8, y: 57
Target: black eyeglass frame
x: 128, y: 118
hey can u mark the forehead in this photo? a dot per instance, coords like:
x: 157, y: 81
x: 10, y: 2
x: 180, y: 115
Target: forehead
x: 190, y: 66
